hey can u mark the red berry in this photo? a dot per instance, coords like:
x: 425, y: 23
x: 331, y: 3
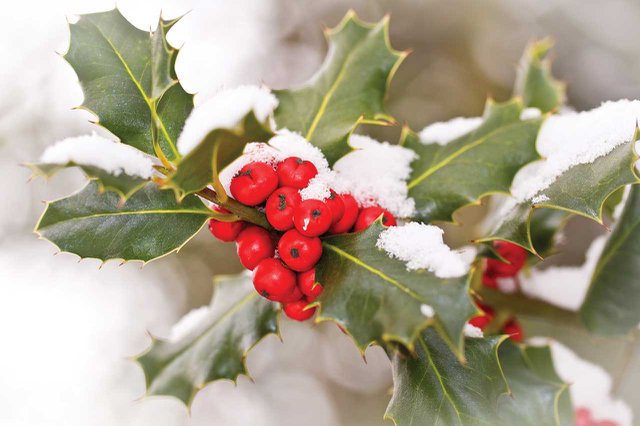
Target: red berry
x: 480, y: 321
x: 348, y: 218
x: 512, y: 253
x: 369, y: 215
x: 280, y: 207
x: 298, y: 252
x: 225, y: 231
x: 336, y: 206
x: 489, y: 277
x: 296, y: 172
x: 312, y: 218
x: 296, y: 311
x: 253, y: 245
x: 254, y: 183
x: 308, y: 285
x: 514, y: 330
x: 583, y: 417
x: 273, y: 280
x: 294, y: 296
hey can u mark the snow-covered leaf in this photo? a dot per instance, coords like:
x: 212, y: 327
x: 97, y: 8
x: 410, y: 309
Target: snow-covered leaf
x: 448, y: 176
x: 611, y: 305
x: 213, y: 345
x: 375, y: 298
x: 95, y: 224
x: 348, y: 89
x: 534, y: 82
x: 129, y: 80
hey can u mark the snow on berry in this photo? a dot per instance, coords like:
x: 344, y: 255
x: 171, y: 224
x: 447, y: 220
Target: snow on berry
x: 225, y: 110
x: 97, y: 151
x: 421, y: 247
x: 442, y: 133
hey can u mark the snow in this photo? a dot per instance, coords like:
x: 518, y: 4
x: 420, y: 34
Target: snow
x: 225, y: 110
x: 564, y: 286
x: 472, y: 331
x: 97, y: 151
x: 421, y: 246
x: 530, y: 113
x: 427, y: 310
x: 188, y: 323
x: 507, y: 285
x: 574, y: 138
x: 442, y: 133
x: 376, y: 173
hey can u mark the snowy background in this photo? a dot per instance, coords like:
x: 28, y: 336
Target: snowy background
x: 69, y: 328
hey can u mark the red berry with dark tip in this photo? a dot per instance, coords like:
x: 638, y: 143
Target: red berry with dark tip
x: 308, y: 285
x: 225, y: 231
x: 295, y: 172
x: 296, y: 310
x: 280, y: 207
x: 514, y: 330
x: 273, y: 280
x: 253, y: 245
x: 349, y: 217
x: 368, y: 215
x: 254, y: 183
x: 336, y: 206
x: 298, y: 252
x: 312, y: 218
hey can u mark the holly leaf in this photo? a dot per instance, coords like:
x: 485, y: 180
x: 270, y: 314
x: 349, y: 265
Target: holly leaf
x: 123, y: 184
x: 217, y: 150
x: 94, y: 224
x: 582, y: 189
x: 447, y: 177
x: 433, y: 387
x: 349, y: 88
x: 534, y: 82
x: 376, y: 299
x: 611, y: 304
x: 216, y: 347
x: 129, y: 81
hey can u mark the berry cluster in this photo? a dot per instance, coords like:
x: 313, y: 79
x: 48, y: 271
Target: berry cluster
x: 283, y: 262
x: 512, y: 327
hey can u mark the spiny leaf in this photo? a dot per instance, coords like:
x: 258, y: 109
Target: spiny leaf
x: 484, y: 161
x: 534, y: 82
x: 129, y: 81
x: 582, y: 190
x: 376, y: 299
x: 216, y: 347
x: 348, y: 89
x: 218, y: 149
x: 611, y: 305
x: 149, y: 225
x: 123, y: 184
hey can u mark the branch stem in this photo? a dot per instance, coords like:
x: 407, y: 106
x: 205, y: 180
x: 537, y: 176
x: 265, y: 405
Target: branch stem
x: 246, y: 213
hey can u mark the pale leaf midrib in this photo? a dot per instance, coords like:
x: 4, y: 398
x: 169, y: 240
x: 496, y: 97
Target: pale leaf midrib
x: 127, y: 213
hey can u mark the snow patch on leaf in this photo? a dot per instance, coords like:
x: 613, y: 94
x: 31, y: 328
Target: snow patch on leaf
x: 443, y: 132
x: 530, y: 113
x: 96, y: 151
x: 188, y: 323
x: 421, y: 246
x: 472, y: 331
x: 225, y: 110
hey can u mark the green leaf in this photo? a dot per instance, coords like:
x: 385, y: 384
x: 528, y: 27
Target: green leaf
x: 376, y: 299
x: 500, y: 384
x: 149, y: 225
x: 218, y: 149
x: 348, y: 89
x: 611, y: 305
x: 545, y: 225
x: 217, y: 346
x: 534, y: 82
x: 447, y: 177
x: 582, y: 189
x: 129, y: 80
x: 538, y: 396
x: 612, y: 202
x: 435, y: 388
x: 123, y: 184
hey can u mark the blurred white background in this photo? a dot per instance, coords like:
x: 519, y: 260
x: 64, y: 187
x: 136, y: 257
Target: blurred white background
x: 69, y: 327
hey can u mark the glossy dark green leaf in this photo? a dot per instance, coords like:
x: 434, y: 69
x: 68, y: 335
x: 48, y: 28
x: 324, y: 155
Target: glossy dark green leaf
x: 94, y: 224
x: 546, y: 225
x: 218, y: 149
x: 612, y: 202
x: 612, y: 305
x: 534, y: 82
x: 447, y: 177
x: 348, y: 89
x: 582, y: 190
x: 129, y: 81
x: 433, y: 387
x: 376, y: 299
x: 216, y: 347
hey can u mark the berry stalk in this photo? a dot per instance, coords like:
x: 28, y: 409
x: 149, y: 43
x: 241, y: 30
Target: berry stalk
x: 246, y: 213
